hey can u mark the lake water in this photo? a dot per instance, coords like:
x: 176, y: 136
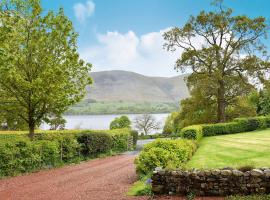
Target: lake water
x: 101, y: 122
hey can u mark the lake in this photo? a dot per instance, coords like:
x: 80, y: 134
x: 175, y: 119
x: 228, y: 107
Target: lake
x: 101, y: 122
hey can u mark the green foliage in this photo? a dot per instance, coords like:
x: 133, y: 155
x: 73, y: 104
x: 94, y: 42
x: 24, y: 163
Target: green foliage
x: 219, y: 72
x: 165, y: 154
x: 170, y: 126
x: 192, y: 132
x: 261, y: 100
x: 69, y: 148
x: 120, y: 107
x: 50, y: 148
x: 120, y: 139
x: 141, y: 187
x: 121, y: 122
x: 237, y: 126
x: 93, y: 144
x: 21, y: 155
x: 41, y: 71
x: 135, y: 136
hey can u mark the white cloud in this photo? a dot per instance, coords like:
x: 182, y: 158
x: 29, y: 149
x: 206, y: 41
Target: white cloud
x: 144, y: 54
x: 84, y: 11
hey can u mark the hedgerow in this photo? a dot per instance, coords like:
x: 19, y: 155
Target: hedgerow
x: 237, y: 126
x: 18, y: 154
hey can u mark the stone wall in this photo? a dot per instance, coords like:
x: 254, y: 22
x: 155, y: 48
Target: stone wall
x: 211, y: 182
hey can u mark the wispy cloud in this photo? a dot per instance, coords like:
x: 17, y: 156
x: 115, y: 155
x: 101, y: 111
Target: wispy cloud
x: 83, y: 11
x: 128, y: 51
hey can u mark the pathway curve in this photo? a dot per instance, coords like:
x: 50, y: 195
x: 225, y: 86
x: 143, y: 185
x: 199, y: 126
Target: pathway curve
x: 101, y: 179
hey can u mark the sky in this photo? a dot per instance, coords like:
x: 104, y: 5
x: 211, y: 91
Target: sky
x: 127, y: 34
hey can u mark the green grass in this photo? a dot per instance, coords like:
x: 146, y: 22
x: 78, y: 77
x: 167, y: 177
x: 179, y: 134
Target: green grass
x: 236, y: 150
x: 140, y: 188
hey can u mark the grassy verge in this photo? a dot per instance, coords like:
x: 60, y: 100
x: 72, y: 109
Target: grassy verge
x: 234, y: 150
x: 140, y: 188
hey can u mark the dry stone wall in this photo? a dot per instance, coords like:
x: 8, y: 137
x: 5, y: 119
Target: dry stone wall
x: 211, y: 182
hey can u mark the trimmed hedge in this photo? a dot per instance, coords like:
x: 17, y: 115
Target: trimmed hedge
x: 192, y: 132
x: 164, y: 153
x: 21, y: 155
x: 51, y: 148
x: 238, y: 125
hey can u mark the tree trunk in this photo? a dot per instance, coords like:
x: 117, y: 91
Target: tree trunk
x: 31, y: 126
x: 221, y: 102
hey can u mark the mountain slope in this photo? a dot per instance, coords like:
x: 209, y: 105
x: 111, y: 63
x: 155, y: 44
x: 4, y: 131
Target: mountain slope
x: 110, y: 86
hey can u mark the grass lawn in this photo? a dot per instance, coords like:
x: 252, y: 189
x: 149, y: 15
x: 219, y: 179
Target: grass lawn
x: 236, y: 150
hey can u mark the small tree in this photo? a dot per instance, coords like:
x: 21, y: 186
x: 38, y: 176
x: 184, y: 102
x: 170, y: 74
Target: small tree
x: 121, y: 122
x: 146, y: 123
x: 41, y: 73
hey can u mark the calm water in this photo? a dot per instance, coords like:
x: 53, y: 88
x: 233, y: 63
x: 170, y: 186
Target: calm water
x: 100, y: 122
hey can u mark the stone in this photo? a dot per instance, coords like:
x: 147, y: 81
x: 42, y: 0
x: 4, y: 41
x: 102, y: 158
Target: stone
x: 226, y: 172
x: 237, y: 173
x: 157, y: 189
x: 215, y: 172
x: 256, y: 172
x: 267, y: 172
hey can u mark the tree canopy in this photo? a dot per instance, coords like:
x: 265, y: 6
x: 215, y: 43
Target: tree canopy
x: 120, y: 122
x: 41, y: 73
x: 224, y: 53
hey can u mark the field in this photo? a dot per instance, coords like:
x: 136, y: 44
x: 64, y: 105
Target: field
x: 236, y: 150
x: 120, y: 107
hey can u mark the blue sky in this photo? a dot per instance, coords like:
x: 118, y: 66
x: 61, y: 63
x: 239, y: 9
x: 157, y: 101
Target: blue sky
x: 127, y: 34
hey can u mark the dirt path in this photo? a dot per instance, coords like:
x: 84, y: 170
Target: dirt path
x: 101, y: 179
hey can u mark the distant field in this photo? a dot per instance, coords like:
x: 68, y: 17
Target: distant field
x: 252, y: 148
x: 120, y: 107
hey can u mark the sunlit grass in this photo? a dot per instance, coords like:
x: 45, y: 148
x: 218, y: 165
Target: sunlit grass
x: 235, y: 150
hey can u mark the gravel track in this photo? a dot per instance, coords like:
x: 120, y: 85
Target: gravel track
x: 101, y: 179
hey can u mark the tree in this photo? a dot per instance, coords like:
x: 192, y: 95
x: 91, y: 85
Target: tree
x: 41, y: 73
x: 224, y: 52
x: 261, y: 100
x: 57, y: 122
x: 170, y: 126
x: 121, y: 122
x: 146, y: 123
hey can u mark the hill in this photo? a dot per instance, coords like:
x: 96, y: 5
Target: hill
x: 129, y: 91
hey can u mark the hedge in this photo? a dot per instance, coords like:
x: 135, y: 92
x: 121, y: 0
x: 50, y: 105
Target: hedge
x: 164, y: 153
x: 236, y: 126
x: 51, y: 148
x: 192, y: 132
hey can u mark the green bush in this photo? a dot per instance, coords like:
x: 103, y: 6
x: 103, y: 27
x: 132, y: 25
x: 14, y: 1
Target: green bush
x: 69, y: 148
x: 135, y: 136
x: 154, y: 136
x: 165, y: 154
x: 192, y: 132
x: 22, y: 155
x: 237, y: 126
x: 94, y: 143
x: 120, y: 139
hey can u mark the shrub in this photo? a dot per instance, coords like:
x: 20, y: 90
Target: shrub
x: 221, y: 129
x: 135, y: 136
x: 120, y: 140
x: 192, y: 132
x: 165, y: 154
x: 94, y: 143
x: 237, y: 126
x: 22, y: 155
x: 69, y: 148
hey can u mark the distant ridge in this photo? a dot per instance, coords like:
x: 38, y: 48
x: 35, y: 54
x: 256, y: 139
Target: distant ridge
x: 117, y: 85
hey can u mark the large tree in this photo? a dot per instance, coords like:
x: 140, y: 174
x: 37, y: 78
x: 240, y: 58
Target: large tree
x: 41, y: 73
x: 223, y: 52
